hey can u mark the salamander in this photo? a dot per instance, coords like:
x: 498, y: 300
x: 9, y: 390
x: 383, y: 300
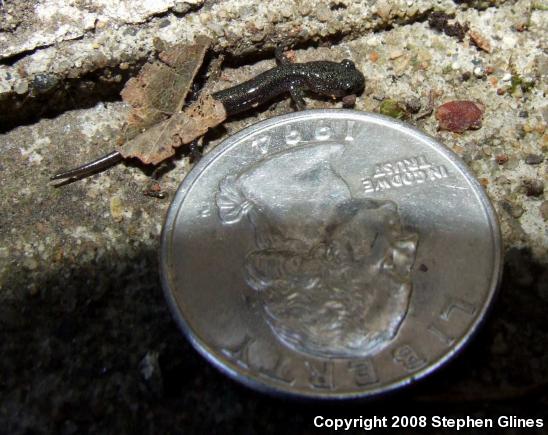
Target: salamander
x: 319, y: 77
x: 326, y: 78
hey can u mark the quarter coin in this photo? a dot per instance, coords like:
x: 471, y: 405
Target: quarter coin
x: 330, y: 254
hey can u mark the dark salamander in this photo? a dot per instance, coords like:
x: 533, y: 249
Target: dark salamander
x: 332, y: 79
x: 320, y: 77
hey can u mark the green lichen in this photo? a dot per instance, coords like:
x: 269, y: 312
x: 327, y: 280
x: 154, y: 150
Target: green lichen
x: 393, y: 109
x: 447, y: 69
x: 540, y: 6
x: 518, y: 82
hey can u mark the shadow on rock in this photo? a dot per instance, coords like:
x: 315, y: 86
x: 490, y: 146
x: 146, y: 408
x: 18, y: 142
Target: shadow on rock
x: 95, y: 350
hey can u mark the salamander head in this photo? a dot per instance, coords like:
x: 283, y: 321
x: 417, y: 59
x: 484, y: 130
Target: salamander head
x: 335, y: 79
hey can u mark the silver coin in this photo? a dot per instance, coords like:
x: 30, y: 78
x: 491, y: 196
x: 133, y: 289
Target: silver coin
x: 330, y: 253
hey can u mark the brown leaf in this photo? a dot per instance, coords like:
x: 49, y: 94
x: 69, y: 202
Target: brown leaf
x: 160, y: 141
x: 459, y: 116
x: 161, y: 87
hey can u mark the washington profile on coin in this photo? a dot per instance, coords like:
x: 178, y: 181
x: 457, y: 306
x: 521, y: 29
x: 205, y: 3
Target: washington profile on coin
x: 332, y: 272
x: 330, y: 254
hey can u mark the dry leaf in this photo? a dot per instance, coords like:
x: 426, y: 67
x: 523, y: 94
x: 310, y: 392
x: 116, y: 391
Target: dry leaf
x: 161, y: 87
x: 160, y: 141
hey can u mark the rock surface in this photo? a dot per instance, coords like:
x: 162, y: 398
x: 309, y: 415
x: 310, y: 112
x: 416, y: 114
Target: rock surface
x: 86, y: 340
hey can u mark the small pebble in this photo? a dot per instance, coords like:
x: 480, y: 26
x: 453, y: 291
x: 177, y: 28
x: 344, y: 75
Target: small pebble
x: 43, y: 83
x: 322, y: 12
x: 466, y: 76
x: 257, y: 36
x: 286, y: 13
x: 517, y: 211
x: 533, y: 187
x: 480, y: 40
x: 479, y: 72
x: 304, y: 9
x: 21, y: 87
x: 383, y: 9
x: 131, y: 31
x: 512, y: 163
x: 514, y: 210
x: 395, y: 54
x: 349, y: 101
x: 501, y: 159
x: 458, y: 149
x: 487, y: 150
x: 534, y: 159
x: 155, y: 191
x: 459, y: 116
x: 181, y: 7
x: 116, y: 208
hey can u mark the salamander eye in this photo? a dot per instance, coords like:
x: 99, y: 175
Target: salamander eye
x: 347, y: 86
x: 347, y: 63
